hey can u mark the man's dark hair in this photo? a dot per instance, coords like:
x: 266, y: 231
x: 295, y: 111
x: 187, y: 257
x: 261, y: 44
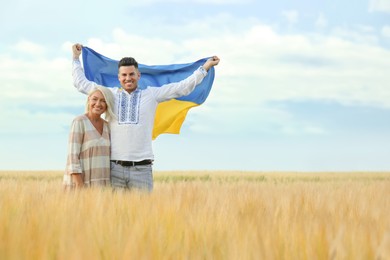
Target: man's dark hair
x: 128, y: 61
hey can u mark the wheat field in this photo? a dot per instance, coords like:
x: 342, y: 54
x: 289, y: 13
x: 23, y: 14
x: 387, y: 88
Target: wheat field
x: 199, y: 215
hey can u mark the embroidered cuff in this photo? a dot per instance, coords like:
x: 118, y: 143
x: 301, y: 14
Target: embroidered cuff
x: 203, y: 71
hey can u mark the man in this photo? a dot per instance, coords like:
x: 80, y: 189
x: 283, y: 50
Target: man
x: 131, y: 132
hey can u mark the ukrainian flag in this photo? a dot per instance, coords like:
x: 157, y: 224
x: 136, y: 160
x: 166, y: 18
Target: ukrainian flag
x: 170, y: 114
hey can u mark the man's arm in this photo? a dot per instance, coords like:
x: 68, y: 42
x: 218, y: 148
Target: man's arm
x: 186, y: 86
x: 81, y: 83
x: 213, y: 61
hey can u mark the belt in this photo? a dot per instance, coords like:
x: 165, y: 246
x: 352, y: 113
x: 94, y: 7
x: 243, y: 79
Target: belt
x: 131, y: 163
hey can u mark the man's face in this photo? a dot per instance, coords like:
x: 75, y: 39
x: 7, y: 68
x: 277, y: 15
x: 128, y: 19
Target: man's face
x: 128, y: 78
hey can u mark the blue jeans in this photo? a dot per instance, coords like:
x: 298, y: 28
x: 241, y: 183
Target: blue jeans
x: 132, y: 177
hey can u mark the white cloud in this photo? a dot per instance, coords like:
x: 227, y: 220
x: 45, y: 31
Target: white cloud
x: 379, y: 6
x: 28, y: 47
x: 321, y: 21
x: 244, y: 119
x: 315, y: 130
x: 37, y: 94
x: 359, y: 34
x: 386, y: 31
x: 291, y: 16
x: 308, y: 67
x: 37, y: 81
x: 24, y: 121
x: 292, y: 128
x: 258, y: 65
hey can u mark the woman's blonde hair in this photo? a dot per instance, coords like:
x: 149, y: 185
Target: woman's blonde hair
x: 108, y: 96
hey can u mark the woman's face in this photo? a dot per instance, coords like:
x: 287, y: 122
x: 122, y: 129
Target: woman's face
x: 97, y: 104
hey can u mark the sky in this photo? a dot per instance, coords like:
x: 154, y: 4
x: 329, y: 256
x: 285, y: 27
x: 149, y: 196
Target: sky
x: 301, y: 85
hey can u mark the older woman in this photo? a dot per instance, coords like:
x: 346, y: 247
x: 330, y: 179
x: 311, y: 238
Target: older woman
x: 88, y: 162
